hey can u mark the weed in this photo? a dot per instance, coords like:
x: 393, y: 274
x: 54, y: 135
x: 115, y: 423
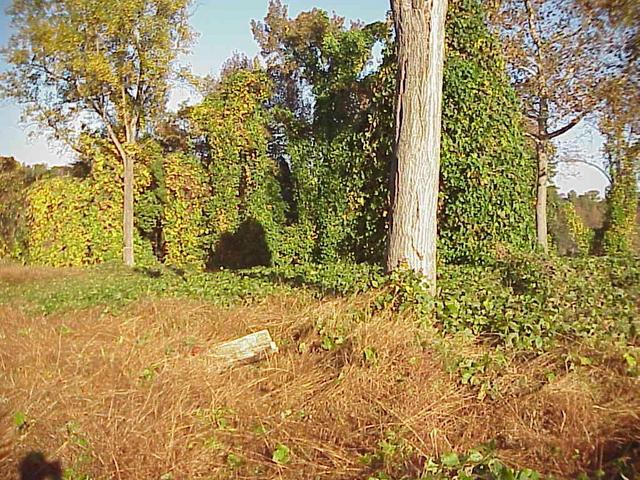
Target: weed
x: 477, y: 464
x: 20, y: 421
x: 281, y: 454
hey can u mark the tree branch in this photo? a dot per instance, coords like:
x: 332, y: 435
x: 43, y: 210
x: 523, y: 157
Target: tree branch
x: 567, y: 127
x: 590, y: 164
x: 535, y: 35
x: 532, y: 136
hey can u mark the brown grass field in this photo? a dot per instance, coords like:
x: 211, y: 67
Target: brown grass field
x: 131, y: 395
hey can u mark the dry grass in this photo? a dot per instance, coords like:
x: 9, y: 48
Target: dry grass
x: 132, y: 396
x: 14, y: 273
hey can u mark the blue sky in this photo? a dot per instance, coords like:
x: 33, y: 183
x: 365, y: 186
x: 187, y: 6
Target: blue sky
x: 223, y: 27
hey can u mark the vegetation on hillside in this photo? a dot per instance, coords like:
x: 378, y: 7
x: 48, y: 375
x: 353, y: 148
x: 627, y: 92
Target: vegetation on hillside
x: 499, y: 377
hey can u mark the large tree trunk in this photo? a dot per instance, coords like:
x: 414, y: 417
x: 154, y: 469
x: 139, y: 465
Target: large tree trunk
x: 419, y: 26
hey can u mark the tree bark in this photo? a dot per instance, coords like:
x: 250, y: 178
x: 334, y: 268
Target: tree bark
x: 541, y: 195
x: 127, y: 207
x: 419, y: 26
x: 542, y: 154
x: 127, y: 228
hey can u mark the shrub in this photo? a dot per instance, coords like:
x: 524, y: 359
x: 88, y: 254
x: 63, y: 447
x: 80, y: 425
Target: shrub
x: 58, y: 222
x: 184, y: 224
x: 230, y: 130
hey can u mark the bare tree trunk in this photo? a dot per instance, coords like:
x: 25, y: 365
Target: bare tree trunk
x: 541, y: 194
x: 127, y: 207
x: 419, y: 26
x: 127, y: 251
x: 542, y: 154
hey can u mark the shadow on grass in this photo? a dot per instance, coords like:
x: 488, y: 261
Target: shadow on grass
x: 326, y: 279
x: 34, y: 467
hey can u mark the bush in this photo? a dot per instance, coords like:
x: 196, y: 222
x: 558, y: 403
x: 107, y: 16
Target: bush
x: 184, y: 224
x: 58, y: 222
x: 73, y: 221
x: 230, y: 131
x: 14, y: 180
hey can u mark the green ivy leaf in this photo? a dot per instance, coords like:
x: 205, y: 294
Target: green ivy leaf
x: 450, y: 460
x: 281, y: 454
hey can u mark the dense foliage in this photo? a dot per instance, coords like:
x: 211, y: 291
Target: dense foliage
x: 487, y: 171
x: 621, y: 226
x: 78, y: 221
x: 13, y: 181
x: 59, y: 233
x: 266, y: 178
x: 245, y: 211
x: 289, y: 164
x: 183, y: 225
x: 276, y: 183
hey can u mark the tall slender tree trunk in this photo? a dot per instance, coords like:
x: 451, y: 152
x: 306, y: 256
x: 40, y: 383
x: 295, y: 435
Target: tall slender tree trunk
x: 127, y: 207
x: 541, y: 195
x: 542, y: 154
x: 419, y: 26
x: 127, y: 250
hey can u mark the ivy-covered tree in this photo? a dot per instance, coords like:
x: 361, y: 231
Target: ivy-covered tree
x: 58, y: 218
x: 245, y: 211
x: 321, y: 69
x: 184, y: 224
x: 622, y: 149
x: 341, y: 187
x: 73, y: 220
x: 313, y: 52
x: 14, y: 180
x: 81, y: 65
x: 488, y: 171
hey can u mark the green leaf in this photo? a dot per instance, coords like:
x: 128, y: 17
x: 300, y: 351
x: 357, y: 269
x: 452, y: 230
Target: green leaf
x: 450, y: 460
x: 631, y: 360
x: 475, y: 456
x: 370, y: 355
x: 233, y: 460
x: 20, y: 419
x: 281, y: 454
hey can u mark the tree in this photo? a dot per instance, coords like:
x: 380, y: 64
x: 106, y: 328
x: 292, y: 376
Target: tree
x: 419, y: 27
x: 621, y: 126
x: 244, y: 211
x: 558, y: 54
x: 13, y: 184
x: 294, y: 53
x: 105, y: 66
x: 339, y: 161
x: 620, y: 121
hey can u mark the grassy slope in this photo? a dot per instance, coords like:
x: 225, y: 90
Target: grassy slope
x: 106, y: 370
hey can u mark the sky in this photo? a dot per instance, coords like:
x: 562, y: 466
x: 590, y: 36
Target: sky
x: 223, y: 27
